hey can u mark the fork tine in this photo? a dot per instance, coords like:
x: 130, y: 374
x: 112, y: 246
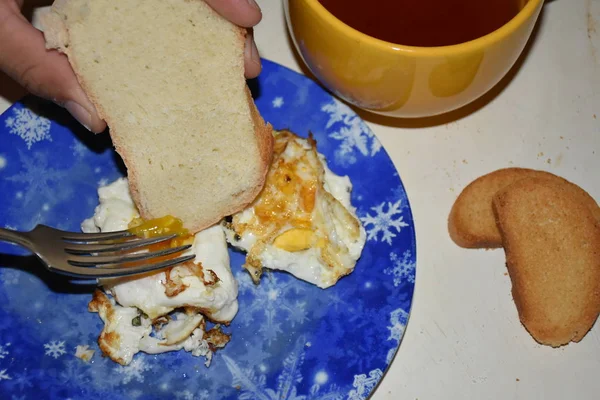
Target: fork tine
x: 84, y: 248
x: 86, y: 272
x: 95, y: 237
x: 83, y: 261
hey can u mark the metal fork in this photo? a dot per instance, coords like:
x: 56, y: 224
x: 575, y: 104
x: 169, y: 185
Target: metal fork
x: 79, y: 254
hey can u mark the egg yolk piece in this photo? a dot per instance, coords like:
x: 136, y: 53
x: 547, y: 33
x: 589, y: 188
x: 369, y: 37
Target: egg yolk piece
x: 163, y: 226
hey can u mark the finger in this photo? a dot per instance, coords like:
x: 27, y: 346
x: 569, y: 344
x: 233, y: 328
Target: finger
x: 252, y: 64
x: 245, y: 13
x: 47, y: 74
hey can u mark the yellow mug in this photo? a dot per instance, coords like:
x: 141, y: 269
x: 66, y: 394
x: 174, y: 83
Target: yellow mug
x: 404, y: 81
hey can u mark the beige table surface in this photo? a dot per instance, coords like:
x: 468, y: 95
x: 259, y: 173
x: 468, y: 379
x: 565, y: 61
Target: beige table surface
x: 464, y: 339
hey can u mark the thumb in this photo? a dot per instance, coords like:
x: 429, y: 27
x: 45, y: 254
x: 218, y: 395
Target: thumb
x: 48, y: 74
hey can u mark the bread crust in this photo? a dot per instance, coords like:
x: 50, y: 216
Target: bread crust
x: 57, y: 37
x: 552, y: 244
x: 471, y: 223
x: 264, y: 137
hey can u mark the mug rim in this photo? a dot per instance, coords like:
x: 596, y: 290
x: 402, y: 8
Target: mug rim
x: 434, y: 51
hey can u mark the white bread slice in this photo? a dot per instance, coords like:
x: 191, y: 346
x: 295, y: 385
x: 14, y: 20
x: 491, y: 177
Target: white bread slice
x: 168, y: 78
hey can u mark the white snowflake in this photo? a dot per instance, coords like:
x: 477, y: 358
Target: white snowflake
x: 274, y: 300
x: 384, y: 221
x: 403, y: 269
x: 135, y: 370
x: 187, y: 395
x: 103, y: 182
x: 135, y: 394
x: 398, y: 321
x: 4, y: 350
x: 2, y: 162
x: 4, y: 375
x: 184, y: 395
x: 22, y: 380
x: 354, y: 133
x: 254, y: 387
x: 30, y: 127
x: 363, y: 384
x: 277, y: 102
x: 78, y: 148
x: 40, y: 181
x: 55, y: 348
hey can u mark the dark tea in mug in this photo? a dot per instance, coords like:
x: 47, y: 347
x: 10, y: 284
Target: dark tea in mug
x: 426, y: 23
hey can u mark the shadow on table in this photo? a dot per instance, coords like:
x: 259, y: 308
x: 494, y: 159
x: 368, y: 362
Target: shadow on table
x: 442, y: 119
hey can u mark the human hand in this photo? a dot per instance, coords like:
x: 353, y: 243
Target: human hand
x: 48, y: 74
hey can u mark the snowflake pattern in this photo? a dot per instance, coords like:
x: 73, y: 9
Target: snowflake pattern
x: 253, y: 386
x: 277, y: 102
x: 363, y: 384
x: 134, y: 371
x: 61, y: 175
x: 353, y: 133
x: 398, y: 321
x: 30, y: 127
x: 22, y: 381
x: 384, y: 221
x: 39, y: 179
x: 275, y: 301
x: 55, y: 348
x: 403, y: 269
x: 135, y: 394
x: 4, y: 350
x: 4, y: 375
x: 2, y: 161
x: 188, y: 395
x: 3, y: 353
x: 79, y: 149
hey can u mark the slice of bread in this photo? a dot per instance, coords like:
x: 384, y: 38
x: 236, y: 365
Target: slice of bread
x: 471, y: 223
x: 168, y: 78
x: 552, y: 244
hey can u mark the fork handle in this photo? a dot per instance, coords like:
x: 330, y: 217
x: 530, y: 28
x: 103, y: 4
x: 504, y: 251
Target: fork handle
x: 20, y: 238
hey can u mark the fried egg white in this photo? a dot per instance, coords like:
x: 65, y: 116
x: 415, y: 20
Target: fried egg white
x: 141, y: 304
x: 122, y: 337
x: 303, y: 221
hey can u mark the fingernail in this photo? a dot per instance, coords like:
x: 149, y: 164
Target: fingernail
x: 250, y: 50
x: 253, y: 4
x: 79, y: 113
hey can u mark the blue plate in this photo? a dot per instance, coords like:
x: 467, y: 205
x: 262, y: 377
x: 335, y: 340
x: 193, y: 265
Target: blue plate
x: 291, y: 340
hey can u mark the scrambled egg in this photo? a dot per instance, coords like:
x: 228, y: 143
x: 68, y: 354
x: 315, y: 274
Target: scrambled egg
x: 162, y: 311
x: 303, y: 221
